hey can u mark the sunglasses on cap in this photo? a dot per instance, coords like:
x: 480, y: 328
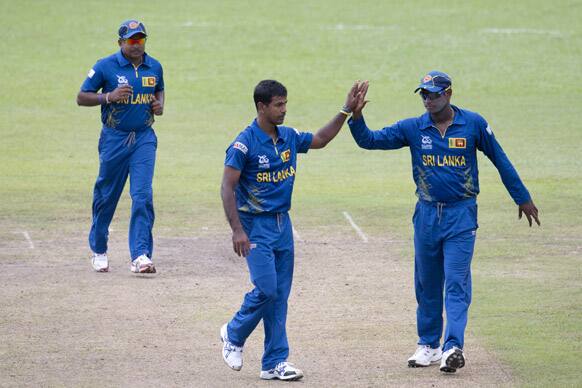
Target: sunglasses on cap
x: 432, y: 95
x: 135, y: 41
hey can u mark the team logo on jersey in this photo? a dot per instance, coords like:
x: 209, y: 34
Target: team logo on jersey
x: 457, y: 142
x: 121, y: 80
x: 148, y: 81
x: 264, y: 161
x: 241, y: 147
x: 91, y: 73
x: 426, y: 142
x: 286, y: 155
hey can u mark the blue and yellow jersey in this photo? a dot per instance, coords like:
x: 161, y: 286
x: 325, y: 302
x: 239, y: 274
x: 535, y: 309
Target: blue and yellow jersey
x: 444, y: 167
x: 133, y: 113
x: 267, y: 167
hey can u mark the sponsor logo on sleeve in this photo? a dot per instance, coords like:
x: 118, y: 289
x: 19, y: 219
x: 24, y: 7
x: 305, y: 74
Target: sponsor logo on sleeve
x: 457, y: 142
x: 286, y: 155
x: 91, y: 73
x: 489, y: 130
x: 148, y: 81
x: 241, y: 147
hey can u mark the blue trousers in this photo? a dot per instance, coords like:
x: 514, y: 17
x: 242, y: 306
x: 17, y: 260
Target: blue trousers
x: 121, y: 154
x: 444, y: 239
x: 270, y: 263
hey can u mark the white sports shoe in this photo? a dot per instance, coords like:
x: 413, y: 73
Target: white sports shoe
x: 282, y: 371
x: 452, y: 360
x: 142, y: 264
x: 424, y: 356
x: 231, y: 354
x: 100, y: 262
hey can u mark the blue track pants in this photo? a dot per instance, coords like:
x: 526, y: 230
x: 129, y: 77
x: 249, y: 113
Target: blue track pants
x: 444, y: 238
x: 121, y: 154
x: 270, y: 265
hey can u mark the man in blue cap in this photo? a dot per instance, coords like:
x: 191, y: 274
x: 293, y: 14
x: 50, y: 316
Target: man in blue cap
x: 129, y: 88
x: 443, y: 144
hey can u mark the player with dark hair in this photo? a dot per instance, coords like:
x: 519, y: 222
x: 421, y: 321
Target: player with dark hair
x: 256, y: 190
x: 443, y: 144
x: 132, y: 92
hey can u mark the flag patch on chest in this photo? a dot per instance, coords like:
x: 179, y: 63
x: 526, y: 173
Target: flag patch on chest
x: 148, y: 81
x: 457, y: 142
x: 286, y: 155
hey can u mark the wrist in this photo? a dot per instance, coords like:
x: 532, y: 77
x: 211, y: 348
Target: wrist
x: 107, y: 98
x: 100, y: 98
x: 345, y: 110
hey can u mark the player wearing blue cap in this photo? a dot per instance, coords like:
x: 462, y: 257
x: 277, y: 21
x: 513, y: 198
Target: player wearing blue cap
x: 443, y: 144
x: 257, y: 184
x: 132, y: 92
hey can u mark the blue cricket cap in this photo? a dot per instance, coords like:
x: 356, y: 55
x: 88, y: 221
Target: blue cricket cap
x: 131, y: 27
x: 435, y: 81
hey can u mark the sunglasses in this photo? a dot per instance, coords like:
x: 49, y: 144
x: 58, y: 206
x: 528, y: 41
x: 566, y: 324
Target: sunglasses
x: 133, y: 42
x: 432, y: 95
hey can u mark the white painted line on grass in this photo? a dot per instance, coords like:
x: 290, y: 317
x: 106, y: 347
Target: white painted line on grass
x: 296, y: 235
x: 27, y: 237
x: 356, y: 227
x: 521, y: 31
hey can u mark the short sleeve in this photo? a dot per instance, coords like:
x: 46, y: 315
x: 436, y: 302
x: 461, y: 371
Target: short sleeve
x: 160, y: 83
x: 302, y: 140
x: 236, y: 154
x: 94, y: 80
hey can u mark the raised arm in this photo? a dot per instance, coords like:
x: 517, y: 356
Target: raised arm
x: 326, y: 134
x: 240, y: 241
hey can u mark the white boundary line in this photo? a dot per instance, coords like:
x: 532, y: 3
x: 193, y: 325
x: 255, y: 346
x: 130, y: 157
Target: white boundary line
x: 296, y: 235
x: 28, y: 239
x: 356, y: 227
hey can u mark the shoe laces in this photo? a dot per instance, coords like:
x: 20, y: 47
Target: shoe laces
x: 282, y: 366
x: 230, y: 347
x: 425, y: 349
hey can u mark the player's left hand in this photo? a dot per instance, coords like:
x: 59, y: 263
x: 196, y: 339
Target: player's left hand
x: 531, y: 211
x: 157, y: 107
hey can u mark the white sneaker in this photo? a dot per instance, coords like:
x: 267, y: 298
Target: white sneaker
x: 282, y: 371
x: 424, y: 356
x: 231, y: 354
x: 452, y: 360
x: 100, y: 262
x: 142, y: 264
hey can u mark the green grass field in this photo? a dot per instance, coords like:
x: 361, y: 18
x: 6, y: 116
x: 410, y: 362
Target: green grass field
x: 517, y: 63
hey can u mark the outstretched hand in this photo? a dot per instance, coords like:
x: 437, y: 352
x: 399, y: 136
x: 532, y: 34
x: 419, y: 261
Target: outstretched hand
x: 531, y: 211
x: 360, y: 99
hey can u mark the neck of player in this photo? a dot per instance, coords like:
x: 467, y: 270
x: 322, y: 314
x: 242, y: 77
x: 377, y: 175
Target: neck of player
x: 267, y: 126
x: 444, y: 116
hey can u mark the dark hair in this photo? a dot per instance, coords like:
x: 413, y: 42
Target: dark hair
x: 267, y: 89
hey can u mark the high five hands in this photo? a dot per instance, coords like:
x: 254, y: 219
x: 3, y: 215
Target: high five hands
x: 358, y: 92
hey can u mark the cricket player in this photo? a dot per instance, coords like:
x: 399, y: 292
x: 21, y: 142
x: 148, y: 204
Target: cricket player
x: 443, y: 144
x: 129, y: 88
x: 257, y: 184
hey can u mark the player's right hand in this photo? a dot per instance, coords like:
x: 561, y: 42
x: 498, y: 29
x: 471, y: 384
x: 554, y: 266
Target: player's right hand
x: 240, y: 243
x: 121, y: 93
x: 360, y: 100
